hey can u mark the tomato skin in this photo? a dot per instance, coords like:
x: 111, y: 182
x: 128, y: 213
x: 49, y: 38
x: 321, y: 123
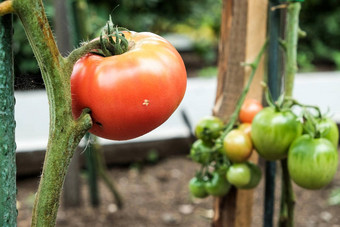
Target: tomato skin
x: 237, y: 145
x: 200, y: 152
x: 249, y: 109
x: 197, y: 188
x: 312, y: 163
x: 245, y: 128
x: 217, y: 185
x: 209, y: 128
x: 132, y: 93
x: 272, y: 132
x: 239, y: 174
x: 245, y: 175
x: 329, y: 130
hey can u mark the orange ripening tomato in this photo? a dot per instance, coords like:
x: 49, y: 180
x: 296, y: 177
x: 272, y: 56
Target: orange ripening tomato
x: 249, y: 109
x: 132, y: 93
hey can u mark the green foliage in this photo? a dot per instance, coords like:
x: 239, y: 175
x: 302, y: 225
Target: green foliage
x: 199, y: 20
x: 320, y: 19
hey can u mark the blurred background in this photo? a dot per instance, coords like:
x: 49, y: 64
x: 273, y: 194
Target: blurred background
x: 192, y: 25
x: 152, y: 172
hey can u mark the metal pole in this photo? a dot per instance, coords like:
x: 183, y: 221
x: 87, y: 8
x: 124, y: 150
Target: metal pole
x: 274, y: 83
x: 8, y: 211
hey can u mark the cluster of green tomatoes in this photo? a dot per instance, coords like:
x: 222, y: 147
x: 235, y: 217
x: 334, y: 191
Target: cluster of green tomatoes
x: 285, y: 130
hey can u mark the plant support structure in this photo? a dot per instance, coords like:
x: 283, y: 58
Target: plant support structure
x: 8, y: 212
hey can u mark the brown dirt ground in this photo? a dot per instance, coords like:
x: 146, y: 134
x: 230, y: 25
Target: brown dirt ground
x: 157, y: 196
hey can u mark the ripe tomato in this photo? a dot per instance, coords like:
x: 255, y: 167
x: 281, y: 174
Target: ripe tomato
x: 209, y: 128
x: 237, y: 146
x: 132, y: 93
x: 200, y: 152
x: 329, y: 130
x: 312, y: 163
x: 245, y: 175
x: 272, y: 132
x: 197, y: 188
x: 217, y: 185
x: 249, y: 109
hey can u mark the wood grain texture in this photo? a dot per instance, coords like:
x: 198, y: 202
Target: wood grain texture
x: 243, y: 33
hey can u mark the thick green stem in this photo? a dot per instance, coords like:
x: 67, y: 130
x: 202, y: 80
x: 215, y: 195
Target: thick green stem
x: 8, y: 212
x: 292, y: 35
x: 65, y: 132
x: 287, y: 198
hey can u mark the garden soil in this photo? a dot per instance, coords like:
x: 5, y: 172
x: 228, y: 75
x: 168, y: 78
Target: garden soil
x: 157, y: 195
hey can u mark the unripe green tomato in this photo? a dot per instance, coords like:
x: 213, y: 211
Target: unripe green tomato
x: 239, y: 175
x: 329, y: 130
x: 217, y: 185
x: 197, y: 188
x: 312, y: 163
x: 273, y: 131
x: 200, y: 152
x: 209, y: 128
x: 245, y: 175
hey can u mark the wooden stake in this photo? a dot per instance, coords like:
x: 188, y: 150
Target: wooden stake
x: 243, y: 32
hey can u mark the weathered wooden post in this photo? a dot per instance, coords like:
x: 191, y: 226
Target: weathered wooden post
x: 243, y: 33
x: 8, y: 212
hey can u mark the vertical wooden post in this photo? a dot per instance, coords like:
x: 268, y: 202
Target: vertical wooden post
x: 8, y: 212
x: 243, y: 32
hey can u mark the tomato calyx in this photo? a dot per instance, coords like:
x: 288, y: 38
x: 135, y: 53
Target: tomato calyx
x: 112, y: 40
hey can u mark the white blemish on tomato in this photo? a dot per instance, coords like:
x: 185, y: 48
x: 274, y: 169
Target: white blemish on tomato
x: 146, y: 102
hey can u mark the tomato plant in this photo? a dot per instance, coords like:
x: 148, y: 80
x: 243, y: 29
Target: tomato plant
x: 245, y: 175
x: 197, y: 187
x: 132, y: 93
x: 209, y: 128
x: 200, y: 152
x: 273, y: 131
x: 237, y: 145
x: 217, y: 185
x: 312, y: 162
x: 249, y: 109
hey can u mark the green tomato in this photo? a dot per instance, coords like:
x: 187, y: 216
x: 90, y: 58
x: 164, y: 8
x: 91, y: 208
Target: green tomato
x: 245, y: 175
x: 272, y: 132
x: 329, y: 130
x: 239, y: 174
x: 217, y: 185
x: 256, y: 175
x: 197, y: 188
x: 312, y: 163
x: 209, y: 128
x: 200, y: 152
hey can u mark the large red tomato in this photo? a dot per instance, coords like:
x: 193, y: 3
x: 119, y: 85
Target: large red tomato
x: 132, y: 93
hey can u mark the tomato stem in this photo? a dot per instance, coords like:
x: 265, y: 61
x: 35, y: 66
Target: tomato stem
x: 254, y: 65
x: 65, y: 132
x: 292, y: 34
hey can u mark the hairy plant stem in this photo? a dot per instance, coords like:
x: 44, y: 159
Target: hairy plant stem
x: 65, y: 132
x: 292, y: 33
x: 291, y: 42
